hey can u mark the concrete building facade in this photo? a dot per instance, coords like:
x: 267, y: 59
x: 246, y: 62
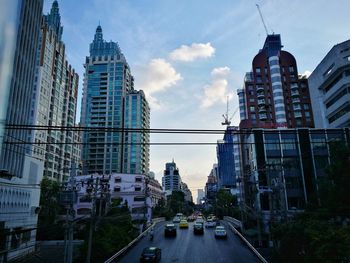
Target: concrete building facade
x: 329, y: 87
x: 54, y: 101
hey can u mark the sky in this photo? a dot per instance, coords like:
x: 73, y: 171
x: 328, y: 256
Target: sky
x: 189, y: 56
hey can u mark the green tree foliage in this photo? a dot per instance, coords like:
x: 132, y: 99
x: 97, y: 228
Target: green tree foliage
x: 322, y: 232
x: 113, y: 232
x: 226, y: 204
x: 50, y: 208
x: 176, y: 202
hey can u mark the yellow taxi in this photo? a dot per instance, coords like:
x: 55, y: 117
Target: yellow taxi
x: 183, y: 224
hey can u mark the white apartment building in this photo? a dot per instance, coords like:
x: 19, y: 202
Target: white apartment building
x: 329, y: 86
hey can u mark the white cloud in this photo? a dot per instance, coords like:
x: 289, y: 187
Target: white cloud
x: 306, y: 73
x: 220, y: 72
x: 190, y: 53
x: 155, y: 77
x: 217, y: 91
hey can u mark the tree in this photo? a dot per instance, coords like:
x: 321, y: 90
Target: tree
x: 49, y: 210
x: 226, y: 204
x: 322, y: 232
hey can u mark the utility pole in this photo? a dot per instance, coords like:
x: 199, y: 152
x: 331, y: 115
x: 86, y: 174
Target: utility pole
x: 68, y: 197
x: 93, y: 188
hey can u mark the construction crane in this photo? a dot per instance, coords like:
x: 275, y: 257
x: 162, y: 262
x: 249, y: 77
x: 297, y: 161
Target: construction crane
x: 262, y: 19
x: 227, y: 119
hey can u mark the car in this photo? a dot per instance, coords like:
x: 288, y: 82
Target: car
x: 210, y: 223
x: 220, y: 232
x: 198, y: 228
x: 170, y: 230
x: 183, y: 224
x: 176, y: 219
x: 180, y: 215
x: 191, y: 218
x: 151, y: 254
x: 199, y: 220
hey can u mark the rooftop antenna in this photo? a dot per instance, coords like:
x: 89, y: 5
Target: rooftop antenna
x: 262, y: 19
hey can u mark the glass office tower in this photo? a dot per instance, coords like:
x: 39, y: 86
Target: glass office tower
x: 107, y: 84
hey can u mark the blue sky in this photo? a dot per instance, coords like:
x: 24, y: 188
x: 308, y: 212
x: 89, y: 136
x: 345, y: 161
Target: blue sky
x: 189, y: 55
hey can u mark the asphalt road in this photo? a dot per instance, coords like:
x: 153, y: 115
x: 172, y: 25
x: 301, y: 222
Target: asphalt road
x: 189, y: 248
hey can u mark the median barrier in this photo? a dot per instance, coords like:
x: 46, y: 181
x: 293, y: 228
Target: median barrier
x: 127, y: 247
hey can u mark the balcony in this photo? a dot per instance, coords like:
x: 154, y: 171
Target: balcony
x: 294, y: 86
x: 297, y: 114
x: 262, y: 116
x: 260, y: 89
x: 296, y: 100
x: 261, y: 95
x: 262, y: 109
x: 295, y: 93
x: 297, y: 107
x: 261, y: 102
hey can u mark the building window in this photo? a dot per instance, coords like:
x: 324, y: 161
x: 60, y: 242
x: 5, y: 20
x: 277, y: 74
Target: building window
x: 139, y: 199
x: 118, y: 180
x: 137, y: 188
x: 252, y: 108
x: 258, y: 70
x: 117, y: 189
x: 291, y: 69
x: 138, y: 179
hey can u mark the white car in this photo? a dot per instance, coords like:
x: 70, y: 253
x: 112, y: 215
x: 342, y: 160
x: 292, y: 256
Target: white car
x: 176, y: 219
x: 210, y: 223
x: 220, y: 232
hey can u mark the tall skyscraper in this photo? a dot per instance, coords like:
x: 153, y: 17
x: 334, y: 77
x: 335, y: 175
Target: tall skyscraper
x: 21, y: 89
x: 274, y: 95
x: 110, y: 101
x: 19, y: 193
x: 330, y: 88
x: 54, y: 100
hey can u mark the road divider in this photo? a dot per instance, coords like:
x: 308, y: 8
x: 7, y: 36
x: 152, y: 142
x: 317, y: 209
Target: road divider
x: 127, y: 247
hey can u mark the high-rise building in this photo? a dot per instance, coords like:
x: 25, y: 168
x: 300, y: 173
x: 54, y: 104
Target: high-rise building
x: 54, y: 101
x: 200, y: 196
x: 274, y: 95
x: 21, y: 89
x: 136, y: 148
x: 330, y: 88
x: 110, y: 101
x: 224, y: 150
x: 19, y: 179
x: 211, y: 186
x: 187, y: 192
x: 171, y: 180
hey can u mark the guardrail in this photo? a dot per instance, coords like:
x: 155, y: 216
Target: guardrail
x: 124, y: 249
x: 234, y: 221
x: 247, y: 242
